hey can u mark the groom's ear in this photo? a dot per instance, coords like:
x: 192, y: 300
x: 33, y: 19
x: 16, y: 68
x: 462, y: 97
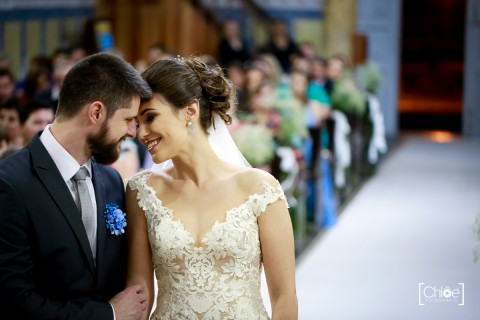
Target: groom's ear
x: 96, y: 112
x: 192, y: 110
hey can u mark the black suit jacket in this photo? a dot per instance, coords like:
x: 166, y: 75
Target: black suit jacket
x: 46, y: 265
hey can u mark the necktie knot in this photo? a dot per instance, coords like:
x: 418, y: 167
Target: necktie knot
x: 81, y: 174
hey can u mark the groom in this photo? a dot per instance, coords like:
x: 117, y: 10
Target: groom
x: 58, y: 260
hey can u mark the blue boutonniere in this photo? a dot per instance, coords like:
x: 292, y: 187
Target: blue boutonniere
x: 115, y: 219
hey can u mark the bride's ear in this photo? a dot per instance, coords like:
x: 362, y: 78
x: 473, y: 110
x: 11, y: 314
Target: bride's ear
x: 192, y: 110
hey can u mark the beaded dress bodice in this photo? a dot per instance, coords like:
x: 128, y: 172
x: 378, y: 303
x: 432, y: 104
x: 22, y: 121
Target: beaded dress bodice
x: 219, y: 279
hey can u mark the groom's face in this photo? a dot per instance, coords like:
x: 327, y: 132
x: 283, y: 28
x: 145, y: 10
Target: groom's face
x: 105, y: 144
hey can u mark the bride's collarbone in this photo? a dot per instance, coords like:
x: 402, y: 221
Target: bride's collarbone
x: 214, y: 197
x: 203, y: 204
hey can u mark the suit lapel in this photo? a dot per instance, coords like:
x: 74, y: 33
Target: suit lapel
x: 99, y: 187
x: 51, y: 178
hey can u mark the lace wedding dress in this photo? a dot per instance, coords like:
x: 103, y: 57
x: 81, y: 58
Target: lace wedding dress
x: 218, y: 280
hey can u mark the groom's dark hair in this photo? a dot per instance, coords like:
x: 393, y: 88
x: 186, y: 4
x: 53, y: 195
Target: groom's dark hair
x: 100, y: 77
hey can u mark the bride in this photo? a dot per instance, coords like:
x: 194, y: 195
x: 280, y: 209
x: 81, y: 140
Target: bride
x: 204, y: 226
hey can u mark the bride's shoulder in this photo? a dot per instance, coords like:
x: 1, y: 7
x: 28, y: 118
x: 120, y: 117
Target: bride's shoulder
x: 149, y: 177
x: 255, y: 178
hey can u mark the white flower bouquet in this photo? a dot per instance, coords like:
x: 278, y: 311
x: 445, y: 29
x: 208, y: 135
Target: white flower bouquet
x: 256, y: 144
x: 347, y: 98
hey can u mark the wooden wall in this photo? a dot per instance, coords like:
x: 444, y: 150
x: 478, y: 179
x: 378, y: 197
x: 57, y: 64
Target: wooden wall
x: 181, y: 25
x: 33, y: 29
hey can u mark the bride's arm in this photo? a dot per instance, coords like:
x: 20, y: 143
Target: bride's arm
x: 278, y: 252
x: 140, y: 266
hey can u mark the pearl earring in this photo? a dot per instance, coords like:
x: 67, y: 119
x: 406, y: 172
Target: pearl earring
x: 190, y: 127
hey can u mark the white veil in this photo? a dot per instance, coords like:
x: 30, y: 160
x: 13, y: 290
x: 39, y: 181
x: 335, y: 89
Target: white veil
x: 221, y: 142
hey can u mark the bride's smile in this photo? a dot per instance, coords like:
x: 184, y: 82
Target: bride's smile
x: 151, y: 144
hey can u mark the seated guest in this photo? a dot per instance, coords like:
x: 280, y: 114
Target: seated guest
x: 49, y: 96
x: 34, y: 117
x: 7, y: 85
x: 10, y: 120
x: 3, y: 139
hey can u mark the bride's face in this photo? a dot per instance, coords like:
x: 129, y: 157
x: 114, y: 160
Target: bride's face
x: 162, y: 129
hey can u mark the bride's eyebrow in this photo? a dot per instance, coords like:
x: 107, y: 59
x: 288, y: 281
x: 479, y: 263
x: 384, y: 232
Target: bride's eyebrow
x: 146, y: 110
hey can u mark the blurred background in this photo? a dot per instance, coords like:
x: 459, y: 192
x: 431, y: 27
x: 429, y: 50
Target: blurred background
x: 356, y: 106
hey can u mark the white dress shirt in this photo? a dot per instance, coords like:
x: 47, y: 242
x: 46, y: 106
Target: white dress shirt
x: 68, y: 166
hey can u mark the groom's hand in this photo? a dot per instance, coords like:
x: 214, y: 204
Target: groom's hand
x: 130, y: 303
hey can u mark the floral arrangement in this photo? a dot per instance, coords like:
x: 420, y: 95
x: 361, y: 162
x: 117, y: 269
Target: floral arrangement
x: 256, y: 144
x: 347, y: 98
x: 368, y: 77
x: 293, y: 125
x: 115, y: 219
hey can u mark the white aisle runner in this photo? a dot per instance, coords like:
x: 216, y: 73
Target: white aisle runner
x: 404, y: 238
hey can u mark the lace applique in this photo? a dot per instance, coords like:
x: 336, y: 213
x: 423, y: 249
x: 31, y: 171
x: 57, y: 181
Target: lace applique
x: 219, y: 279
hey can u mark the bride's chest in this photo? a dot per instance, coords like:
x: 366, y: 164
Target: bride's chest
x: 237, y: 236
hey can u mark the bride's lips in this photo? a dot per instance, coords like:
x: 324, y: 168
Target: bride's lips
x: 152, y: 144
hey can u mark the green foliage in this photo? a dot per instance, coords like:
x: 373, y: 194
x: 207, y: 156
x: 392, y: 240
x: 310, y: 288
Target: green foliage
x: 368, y: 77
x: 346, y: 97
x: 293, y: 126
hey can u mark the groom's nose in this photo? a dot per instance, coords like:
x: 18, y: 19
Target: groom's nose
x: 141, y: 132
x: 132, y: 128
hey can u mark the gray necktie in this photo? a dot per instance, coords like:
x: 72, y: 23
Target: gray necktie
x: 88, y: 214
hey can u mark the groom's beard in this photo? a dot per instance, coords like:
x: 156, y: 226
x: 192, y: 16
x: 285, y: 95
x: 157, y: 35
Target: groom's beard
x: 104, y: 150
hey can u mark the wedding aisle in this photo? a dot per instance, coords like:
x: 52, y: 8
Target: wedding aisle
x: 403, y: 248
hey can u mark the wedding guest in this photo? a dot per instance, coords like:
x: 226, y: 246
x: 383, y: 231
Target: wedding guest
x: 61, y: 53
x: 255, y: 74
x: 4, y: 61
x: 10, y: 120
x: 232, y: 46
x: 312, y: 69
x: 315, y: 111
x: 207, y: 224
x: 8, y: 152
x: 50, y: 96
x: 236, y: 74
x: 116, y: 52
x: 335, y: 68
x: 4, y: 139
x: 272, y: 68
x: 37, y: 84
x: 307, y: 50
x: 5, y: 148
x: 315, y: 115
x: 319, y: 71
x: 34, y: 117
x: 78, y: 53
x: 281, y: 45
x: 155, y: 52
x: 63, y: 250
x: 38, y: 78
x: 7, y: 85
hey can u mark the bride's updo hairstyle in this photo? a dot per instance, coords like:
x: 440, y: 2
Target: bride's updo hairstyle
x: 181, y: 80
